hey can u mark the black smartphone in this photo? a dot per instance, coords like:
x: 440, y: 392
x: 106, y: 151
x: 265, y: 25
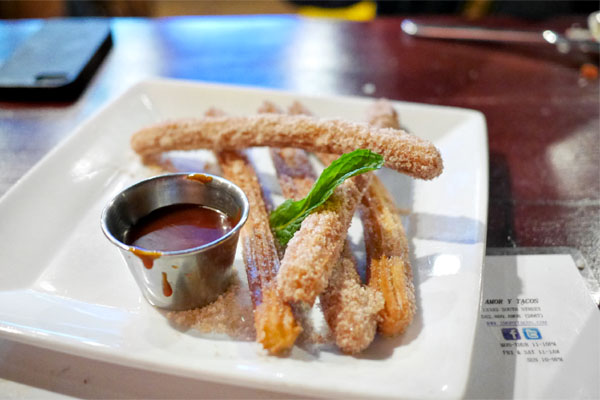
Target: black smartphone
x: 56, y: 62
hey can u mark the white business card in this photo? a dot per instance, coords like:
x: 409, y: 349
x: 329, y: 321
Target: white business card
x: 539, y: 331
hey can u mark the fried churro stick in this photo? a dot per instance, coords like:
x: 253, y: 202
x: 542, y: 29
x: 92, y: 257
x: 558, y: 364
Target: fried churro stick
x: 297, y: 108
x: 275, y: 325
x: 389, y: 269
x: 403, y: 152
x: 294, y: 171
x: 314, y: 249
x: 381, y: 114
x: 297, y: 173
x: 350, y: 309
x: 387, y: 256
x: 260, y: 255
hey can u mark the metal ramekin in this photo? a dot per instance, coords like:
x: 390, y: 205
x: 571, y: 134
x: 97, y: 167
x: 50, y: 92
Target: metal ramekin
x: 184, y: 279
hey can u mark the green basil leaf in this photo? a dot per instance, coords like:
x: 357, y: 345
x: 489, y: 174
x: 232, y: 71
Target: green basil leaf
x: 287, y: 218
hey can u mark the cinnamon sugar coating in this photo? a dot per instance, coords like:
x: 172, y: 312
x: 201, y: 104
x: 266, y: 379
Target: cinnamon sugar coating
x: 276, y: 327
x: 230, y: 314
x: 350, y: 309
x: 403, y: 152
x: 388, y: 262
x: 381, y: 114
x: 314, y: 249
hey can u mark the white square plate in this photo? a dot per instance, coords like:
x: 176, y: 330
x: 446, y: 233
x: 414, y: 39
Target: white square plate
x: 66, y: 288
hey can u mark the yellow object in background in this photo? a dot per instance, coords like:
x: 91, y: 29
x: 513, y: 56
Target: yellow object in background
x: 361, y: 11
x: 475, y: 9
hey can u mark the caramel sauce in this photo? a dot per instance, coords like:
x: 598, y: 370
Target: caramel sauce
x: 177, y: 227
x: 147, y: 256
x: 236, y: 218
x: 166, y: 286
x: 200, y: 178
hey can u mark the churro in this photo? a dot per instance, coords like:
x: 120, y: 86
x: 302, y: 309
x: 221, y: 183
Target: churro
x: 389, y: 270
x: 294, y: 171
x: 276, y: 328
x: 297, y: 108
x: 295, y: 174
x: 350, y: 309
x: 388, y: 263
x: 310, y: 255
x: 403, y: 152
x: 381, y: 114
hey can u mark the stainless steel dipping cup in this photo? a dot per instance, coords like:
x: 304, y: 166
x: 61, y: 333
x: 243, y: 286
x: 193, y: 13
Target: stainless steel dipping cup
x: 185, y: 279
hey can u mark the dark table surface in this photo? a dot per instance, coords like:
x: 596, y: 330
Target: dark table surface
x: 542, y: 114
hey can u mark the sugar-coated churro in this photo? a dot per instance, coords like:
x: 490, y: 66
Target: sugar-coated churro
x: 310, y: 255
x: 275, y: 323
x: 381, y: 114
x: 260, y: 255
x: 294, y: 171
x: 294, y: 174
x: 276, y: 328
x: 388, y: 263
x: 305, y: 273
x: 403, y: 152
x: 297, y: 108
x: 350, y: 309
x: 268, y: 107
x: 389, y: 270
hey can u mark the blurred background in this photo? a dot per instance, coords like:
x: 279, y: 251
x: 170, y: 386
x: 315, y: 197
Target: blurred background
x: 347, y: 9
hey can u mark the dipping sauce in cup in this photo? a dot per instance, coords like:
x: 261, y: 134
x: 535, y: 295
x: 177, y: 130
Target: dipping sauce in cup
x: 179, y: 227
x: 178, y: 234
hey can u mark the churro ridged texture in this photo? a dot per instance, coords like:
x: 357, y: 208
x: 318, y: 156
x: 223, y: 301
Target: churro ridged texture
x: 350, y: 309
x: 276, y: 328
x: 403, y: 152
x: 294, y: 172
x: 387, y: 257
x: 258, y: 246
x: 388, y: 262
x: 389, y: 276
